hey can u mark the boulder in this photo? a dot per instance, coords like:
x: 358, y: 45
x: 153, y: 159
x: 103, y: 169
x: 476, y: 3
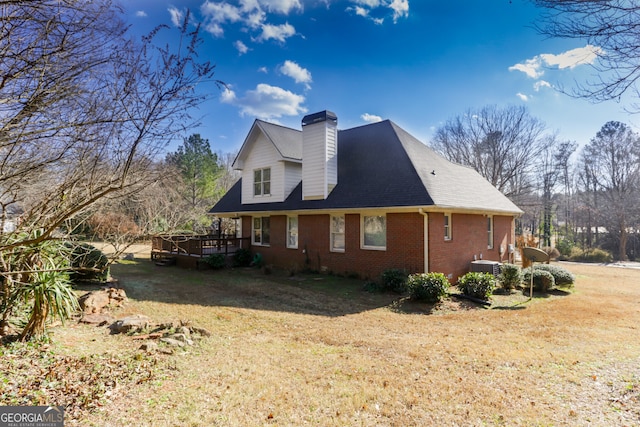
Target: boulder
x: 97, y: 301
x: 135, y: 323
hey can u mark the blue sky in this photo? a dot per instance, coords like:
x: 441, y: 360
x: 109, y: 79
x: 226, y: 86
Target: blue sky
x: 418, y: 63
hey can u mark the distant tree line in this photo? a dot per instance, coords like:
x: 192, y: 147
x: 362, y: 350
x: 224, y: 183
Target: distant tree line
x: 592, y: 201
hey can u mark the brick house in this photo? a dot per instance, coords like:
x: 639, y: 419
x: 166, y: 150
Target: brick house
x: 363, y: 200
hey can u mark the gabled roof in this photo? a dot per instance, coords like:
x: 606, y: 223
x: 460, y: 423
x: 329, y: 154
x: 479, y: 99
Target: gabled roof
x: 380, y: 165
x: 286, y: 141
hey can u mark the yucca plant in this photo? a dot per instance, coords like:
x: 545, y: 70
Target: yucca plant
x: 48, y: 294
x: 41, y: 284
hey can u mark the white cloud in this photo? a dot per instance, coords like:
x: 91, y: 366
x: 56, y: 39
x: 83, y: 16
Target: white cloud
x: 281, y: 6
x: 141, y: 14
x: 370, y: 118
x: 266, y: 102
x: 176, y: 16
x: 228, y: 96
x: 573, y: 58
x: 217, y: 14
x: 241, y: 47
x: 276, y: 32
x: 540, y: 84
x: 376, y: 9
x: 522, y: 96
x: 400, y: 9
x: 263, y: 70
x: 570, y: 59
x: 531, y: 68
x: 296, y: 72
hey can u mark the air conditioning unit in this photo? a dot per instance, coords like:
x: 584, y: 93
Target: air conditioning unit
x: 485, y: 266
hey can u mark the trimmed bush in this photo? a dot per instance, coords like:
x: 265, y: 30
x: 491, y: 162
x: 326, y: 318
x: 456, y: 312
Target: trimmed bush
x: 510, y: 277
x: 216, y: 261
x: 430, y: 287
x: 562, y: 277
x: 543, y: 281
x: 477, y: 285
x: 242, y: 258
x: 88, y: 263
x: 394, y: 280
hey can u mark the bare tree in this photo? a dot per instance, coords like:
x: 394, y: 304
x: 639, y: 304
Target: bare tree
x: 611, y: 27
x: 84, y: 109
x: 502, y: 144
x: 612, y: 158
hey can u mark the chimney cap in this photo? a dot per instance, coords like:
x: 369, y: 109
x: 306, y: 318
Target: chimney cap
x: 322, y: 116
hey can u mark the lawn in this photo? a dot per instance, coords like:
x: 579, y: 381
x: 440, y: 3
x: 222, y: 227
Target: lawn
x: 317, y: 350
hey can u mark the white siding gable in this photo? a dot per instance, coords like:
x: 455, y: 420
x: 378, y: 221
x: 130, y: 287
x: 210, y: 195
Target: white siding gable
x: 284, y: 175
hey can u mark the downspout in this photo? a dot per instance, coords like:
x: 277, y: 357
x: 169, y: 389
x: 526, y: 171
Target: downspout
x: 425, y: 238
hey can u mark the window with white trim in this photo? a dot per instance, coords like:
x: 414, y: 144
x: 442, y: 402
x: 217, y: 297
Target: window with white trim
x: 262, y: 182
x: 261, y: 231
x: 292, y: 232
x: 374, y: 231
x: 489, y: 232
x: 337, y: 233
x: 447, y: 226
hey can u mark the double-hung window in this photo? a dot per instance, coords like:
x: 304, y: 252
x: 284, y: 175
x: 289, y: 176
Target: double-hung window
x: 337, y: 233
x: 292, y: 232
x: 374, y: 231
x: 261, y: 231
x: 447, y: 226
x: 262, y: 182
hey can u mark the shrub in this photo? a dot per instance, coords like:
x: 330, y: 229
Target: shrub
x: 590, y: 255
x: 477, y: 285
x: 561, y: 276
x: 394, y: 280
x: 372, y: 287
x: 564, y: 246
x: 216, y: 261
x: 510, y: 276
x: 430, y: 287
x: 242, y: 258
x: 552, y: 252
x: 543, y: 281
x: 88, y: 263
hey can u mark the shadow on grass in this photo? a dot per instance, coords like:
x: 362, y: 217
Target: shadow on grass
x: 315, y: 294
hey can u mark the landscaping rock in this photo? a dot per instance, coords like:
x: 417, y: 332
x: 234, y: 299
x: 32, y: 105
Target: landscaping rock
x: 172, y: 342
x: 135, y: 323
x: 97, y: 319
x: 97, y: 301
x: 149, y: 346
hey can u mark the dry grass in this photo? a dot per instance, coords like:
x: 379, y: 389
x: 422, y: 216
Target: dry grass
x: 316, y: 350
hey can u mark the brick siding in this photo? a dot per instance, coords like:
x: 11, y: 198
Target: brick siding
x: 405, y: 246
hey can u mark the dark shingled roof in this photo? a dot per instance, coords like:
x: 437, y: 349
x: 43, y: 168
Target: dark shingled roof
x: 379, y: 166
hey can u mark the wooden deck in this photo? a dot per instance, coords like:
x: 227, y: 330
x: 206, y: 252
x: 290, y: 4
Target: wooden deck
x: 187, y: 250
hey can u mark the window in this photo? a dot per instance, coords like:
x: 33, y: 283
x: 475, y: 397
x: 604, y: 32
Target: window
x: 337, y: 233
x: 260, y: 235
x: 262, y: 182
x: 292, y: 232
x: 489, y: 232
x: 374, y: 231
x: 447, y: 226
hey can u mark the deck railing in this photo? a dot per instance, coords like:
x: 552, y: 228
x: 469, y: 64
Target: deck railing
x: 196, y: 245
